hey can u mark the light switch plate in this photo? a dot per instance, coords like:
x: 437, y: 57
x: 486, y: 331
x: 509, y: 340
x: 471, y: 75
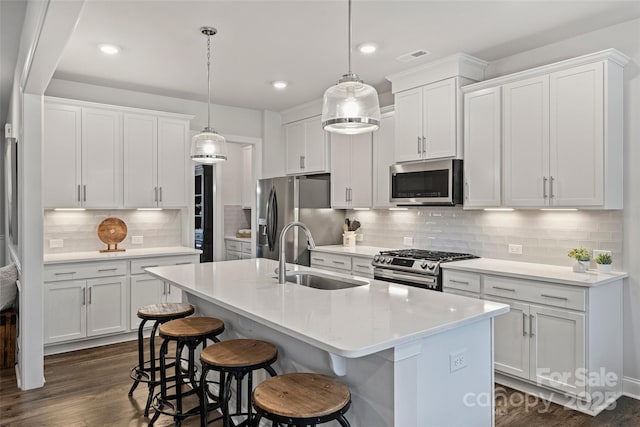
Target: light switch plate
x: 515, y: 249
x: 137, y: 240
x: 56, y: 243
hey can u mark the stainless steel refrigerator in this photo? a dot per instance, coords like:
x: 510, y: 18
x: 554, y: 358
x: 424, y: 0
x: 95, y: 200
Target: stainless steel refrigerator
x: 296, y: 198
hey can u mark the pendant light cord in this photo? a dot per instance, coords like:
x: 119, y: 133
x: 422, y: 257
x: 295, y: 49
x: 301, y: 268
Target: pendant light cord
x: 350, y: 37
x: 208, y: 81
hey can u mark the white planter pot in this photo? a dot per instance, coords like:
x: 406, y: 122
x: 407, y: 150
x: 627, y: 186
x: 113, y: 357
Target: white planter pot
x: 604, y: 268
x: 581, y: 266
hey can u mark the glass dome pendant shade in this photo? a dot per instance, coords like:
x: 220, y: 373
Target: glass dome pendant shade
x: 351, y: 106
x: 208, y: 146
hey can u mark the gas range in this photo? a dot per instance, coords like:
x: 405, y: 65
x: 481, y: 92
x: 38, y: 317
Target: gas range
x: 414, y: 267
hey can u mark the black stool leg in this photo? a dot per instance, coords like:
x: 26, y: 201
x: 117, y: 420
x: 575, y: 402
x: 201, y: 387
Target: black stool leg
x: 140, y: 358
x: 152, y: 366
x: 204, y: 404
x: 178, y: 374
x: 343, y: 421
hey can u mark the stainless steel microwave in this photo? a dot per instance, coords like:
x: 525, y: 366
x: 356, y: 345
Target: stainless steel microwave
x: 431, y: 182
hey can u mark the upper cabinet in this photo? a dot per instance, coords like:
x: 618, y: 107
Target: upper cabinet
x: 306, y: 147
x: 562, y: 136
x: 351, y: 171
x: 82, y: 157
x: 383, y: 147
x: 112, y: 157
x: 428, y: 108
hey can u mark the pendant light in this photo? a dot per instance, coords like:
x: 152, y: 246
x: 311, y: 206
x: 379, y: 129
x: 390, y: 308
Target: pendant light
x: 208, y: 146
x: 351, y: 106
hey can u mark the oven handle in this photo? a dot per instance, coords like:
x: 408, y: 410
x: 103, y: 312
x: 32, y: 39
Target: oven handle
x: 393, y: 274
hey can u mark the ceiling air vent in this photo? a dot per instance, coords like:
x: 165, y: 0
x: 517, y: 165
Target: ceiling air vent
x: 413, y: 55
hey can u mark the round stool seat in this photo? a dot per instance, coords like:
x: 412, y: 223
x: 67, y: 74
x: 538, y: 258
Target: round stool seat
x: 239, y: 353
x: 165, y: 310
x: 191, y: 327
x: 302, y: 396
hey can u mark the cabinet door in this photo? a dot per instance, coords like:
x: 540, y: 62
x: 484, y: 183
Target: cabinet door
x: 294, y: 134
x: 315, y: 156
x: 101, y: 158
x: 174, y: 166
x: 439, y: 119
x: 511, y: 339
x: 248, y: 184
x: 383, y: 143
x: 64, y: 311
x: 361, y: 160
x: 232, y: 255
x: 482, y: 146
x: 106, y: 305
x: 172, y: 293
x: 145, y: 290
x: 577, y: 136
x: 140, y: 160
x: 557, y: 348
x: 340, y: 170
x: 408, y: 140
x: 526, y: 142
x: 62, y: 156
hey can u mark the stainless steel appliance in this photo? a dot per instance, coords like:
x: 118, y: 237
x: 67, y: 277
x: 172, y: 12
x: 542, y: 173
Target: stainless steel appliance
x: 296, y: 198
x: 414, y: 267
x: 436, y: 183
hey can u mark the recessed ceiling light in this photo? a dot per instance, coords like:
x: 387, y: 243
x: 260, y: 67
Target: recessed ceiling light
x: 109, y: 49
x: 279, y: 84
x: 368, y: 48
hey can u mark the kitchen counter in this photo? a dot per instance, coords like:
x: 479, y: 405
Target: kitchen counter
x: 391, y: 344
x: 129, y: 253
x: 358, y: 250
x: 238, y: 239
x: 527, y: 270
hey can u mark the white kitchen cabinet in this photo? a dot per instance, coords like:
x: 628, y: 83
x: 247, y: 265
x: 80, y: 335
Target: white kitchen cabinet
x: 236, y: 249
x: 351, y: 171
x: 147, y: 289
x: 156, y: 153
x: 383, y: 146
x: 562, y: 134
x: 482, y: 148
x: 356, y: 264
x: 82, y: 157
x: 426, y: 121
x: 306, y: 147
x: 84, y: 300
x: 248, y: 180
x: 511, y: 343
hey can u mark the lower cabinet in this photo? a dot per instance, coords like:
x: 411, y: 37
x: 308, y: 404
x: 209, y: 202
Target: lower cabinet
x: 236, y: 249
x: 84, y: 308
x: 146, y: 290
x: 357, y: 265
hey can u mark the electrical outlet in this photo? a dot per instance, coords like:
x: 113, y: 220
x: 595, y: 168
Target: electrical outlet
x: 137, y: 240
x: 597, y: 252
x: 408, y: 241
x: 458, y: 360
x: 515, y: 249
x: 56, y: 243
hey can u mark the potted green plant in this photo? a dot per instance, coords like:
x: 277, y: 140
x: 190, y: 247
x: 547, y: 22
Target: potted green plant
x: 603, y: 261
x: 582, y: 257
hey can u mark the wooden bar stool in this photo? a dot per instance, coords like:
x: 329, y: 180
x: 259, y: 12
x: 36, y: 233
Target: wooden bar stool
x: 234, y: 359
x: 302, y: 399
x: 189, y: 332
x: 145, y: 371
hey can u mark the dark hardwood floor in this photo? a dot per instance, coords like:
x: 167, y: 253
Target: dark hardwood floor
x: 89, y: 388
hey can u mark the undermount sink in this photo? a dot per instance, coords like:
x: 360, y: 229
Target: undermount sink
x: 320, y: 281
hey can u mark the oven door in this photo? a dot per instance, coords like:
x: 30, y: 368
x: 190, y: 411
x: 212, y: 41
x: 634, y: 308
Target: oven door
x: 424, y: 281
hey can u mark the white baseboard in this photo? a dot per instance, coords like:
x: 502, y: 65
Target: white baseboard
x: 631, y: 387
x: 93, y: 342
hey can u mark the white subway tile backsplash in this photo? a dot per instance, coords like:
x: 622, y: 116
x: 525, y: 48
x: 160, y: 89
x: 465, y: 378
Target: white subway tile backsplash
x: 236, y: 218
x: 546, y: 236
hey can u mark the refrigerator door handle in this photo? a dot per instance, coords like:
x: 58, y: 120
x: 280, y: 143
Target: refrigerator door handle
x: 269, y: 225
x: 274, y: 219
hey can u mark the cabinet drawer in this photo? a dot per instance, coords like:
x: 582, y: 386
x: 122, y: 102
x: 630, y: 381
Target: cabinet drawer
x: 138, y: 265
x: 362, y: 266
x: 571, y: 297
x: 320, y: 259
x: 464, y: 281
x: 462, y: 293
x: 234, y: 245
x: 246, y: 248
x: 85, y: 270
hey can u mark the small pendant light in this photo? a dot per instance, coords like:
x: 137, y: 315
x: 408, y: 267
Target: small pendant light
x: 208, y: 146
x: 351, y: 106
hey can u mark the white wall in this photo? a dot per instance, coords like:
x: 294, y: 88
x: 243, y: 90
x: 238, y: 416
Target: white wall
x: 232, y: 176
x: 226, y: 120
x: 273, y: 156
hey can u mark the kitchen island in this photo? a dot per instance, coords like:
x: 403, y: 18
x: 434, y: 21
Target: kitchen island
x: 411, y: 357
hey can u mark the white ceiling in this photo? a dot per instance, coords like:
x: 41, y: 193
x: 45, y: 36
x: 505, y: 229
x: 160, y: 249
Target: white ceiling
x: 304, y: 41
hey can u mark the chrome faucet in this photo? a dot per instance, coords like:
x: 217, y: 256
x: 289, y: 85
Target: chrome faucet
x: 282, y: 266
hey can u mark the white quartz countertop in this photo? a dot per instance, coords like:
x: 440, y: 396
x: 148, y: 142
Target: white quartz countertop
x: 350, y: 322
x: 129, y: 253
x: 368, y: 251
x: 528, y: 270
x: 238, y: 239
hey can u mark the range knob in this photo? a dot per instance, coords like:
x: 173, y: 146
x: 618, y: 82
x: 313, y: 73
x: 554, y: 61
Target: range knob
x: 376, y: 258
x: 388, y: 260
x: 424, y: 264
